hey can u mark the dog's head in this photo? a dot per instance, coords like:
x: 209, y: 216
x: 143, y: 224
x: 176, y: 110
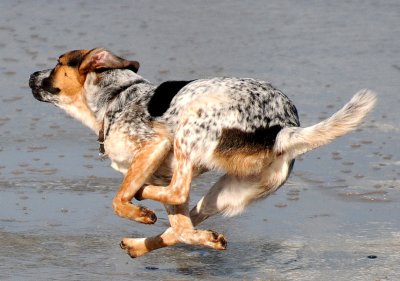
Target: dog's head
x: 65, y: 84
x: 68, y: 77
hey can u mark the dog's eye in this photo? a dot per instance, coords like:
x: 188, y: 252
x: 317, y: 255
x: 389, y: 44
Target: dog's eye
x: 65, y: 74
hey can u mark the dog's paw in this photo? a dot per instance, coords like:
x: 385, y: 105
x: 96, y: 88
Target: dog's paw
x: 146, y: 216
x: 206, y: 238
x: 218, y: 240
x: 133, y: 247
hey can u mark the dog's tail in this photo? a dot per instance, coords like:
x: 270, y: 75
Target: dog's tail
x: 296, y: 140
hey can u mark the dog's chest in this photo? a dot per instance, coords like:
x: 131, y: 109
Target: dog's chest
x: 121, y: 149
x: 125, y: 140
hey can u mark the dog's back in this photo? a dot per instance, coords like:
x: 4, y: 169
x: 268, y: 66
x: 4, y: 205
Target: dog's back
x: 240, y: 125
x: 229, y: 124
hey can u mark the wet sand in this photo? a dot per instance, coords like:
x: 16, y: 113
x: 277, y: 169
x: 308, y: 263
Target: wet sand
x: 337, y: 218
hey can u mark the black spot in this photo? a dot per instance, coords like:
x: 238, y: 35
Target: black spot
x: 163, y: 95
x: 260, y: 139
x: 75, y: 58
x: 75, y: 62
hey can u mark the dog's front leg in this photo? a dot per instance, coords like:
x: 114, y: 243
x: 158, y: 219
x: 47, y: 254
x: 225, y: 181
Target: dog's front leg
x: 145, y: 163
x: 136, y: 247
x: 175, y: 196
x: 182, y: 231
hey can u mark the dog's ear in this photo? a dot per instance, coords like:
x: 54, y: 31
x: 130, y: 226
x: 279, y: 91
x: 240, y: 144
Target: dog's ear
x: 99, y: 58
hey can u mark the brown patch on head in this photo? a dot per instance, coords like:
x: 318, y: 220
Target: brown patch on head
x: 64, y: 84
x: 66, y: 75
x: 67, y: 83
x: 65, y: 80
x: 69, y: 75
x: 73, y: 58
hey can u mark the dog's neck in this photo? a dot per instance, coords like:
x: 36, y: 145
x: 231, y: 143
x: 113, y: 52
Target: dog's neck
x: 112, y: 93
x: 80, y: 111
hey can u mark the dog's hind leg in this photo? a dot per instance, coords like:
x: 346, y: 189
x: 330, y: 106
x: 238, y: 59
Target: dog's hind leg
x: 229, y: 196
x: 145, y: 163
x: 177, y: 192
x: 136, y: 247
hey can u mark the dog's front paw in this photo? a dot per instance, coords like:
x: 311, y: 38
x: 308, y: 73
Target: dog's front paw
x: 133, y: 212
x: 146, y: 216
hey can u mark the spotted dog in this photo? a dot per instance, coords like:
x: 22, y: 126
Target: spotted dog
x: 162, y: 137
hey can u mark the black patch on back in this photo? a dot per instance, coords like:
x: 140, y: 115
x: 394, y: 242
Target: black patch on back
x: 236, y: 139
x: 163, y: 95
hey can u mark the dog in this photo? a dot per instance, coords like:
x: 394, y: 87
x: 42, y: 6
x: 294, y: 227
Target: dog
x: 160, y: 137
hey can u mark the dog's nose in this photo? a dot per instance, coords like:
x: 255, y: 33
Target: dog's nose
x: 32, y: 79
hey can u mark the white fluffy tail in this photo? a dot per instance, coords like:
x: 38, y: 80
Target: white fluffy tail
x: 296, y: 140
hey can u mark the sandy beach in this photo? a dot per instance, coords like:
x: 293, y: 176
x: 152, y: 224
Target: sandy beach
x: 337, y: 217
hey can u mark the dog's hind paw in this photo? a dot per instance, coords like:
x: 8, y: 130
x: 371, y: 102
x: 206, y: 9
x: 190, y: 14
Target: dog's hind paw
x: 218, y: 240
x: 134, y: 247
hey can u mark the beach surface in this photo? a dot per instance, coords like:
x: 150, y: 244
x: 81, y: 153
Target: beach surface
x: 337, y: 217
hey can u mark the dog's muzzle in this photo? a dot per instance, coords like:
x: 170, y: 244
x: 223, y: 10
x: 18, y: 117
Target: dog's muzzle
x: 35, y: 83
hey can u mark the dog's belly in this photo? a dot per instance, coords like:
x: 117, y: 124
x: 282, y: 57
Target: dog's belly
x: 163, y: 174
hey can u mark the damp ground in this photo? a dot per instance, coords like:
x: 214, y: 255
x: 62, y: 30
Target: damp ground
x: 337, y: 218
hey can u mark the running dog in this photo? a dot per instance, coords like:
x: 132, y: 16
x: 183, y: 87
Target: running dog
x: 162, y: 137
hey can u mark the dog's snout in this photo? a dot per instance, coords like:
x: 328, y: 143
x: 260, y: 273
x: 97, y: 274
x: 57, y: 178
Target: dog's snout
x: 42, y: 87
x: 35, y: 80
x: 36, y: 73
x: 32, y: 79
